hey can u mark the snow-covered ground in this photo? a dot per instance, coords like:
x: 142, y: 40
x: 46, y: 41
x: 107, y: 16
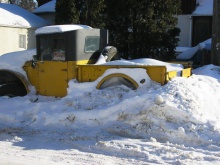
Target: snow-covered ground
x: 178, y: 123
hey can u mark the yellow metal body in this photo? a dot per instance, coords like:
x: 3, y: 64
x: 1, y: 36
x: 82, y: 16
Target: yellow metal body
x: 88, y: 73
x: 186, y: 72
x: 51, y: 78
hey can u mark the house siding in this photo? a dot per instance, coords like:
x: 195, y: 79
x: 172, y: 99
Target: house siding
x: 184, y: 23
x: 9, y: 39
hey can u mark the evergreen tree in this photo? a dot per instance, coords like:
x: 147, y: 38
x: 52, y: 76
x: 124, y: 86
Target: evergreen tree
x: 143, y: 28
x: 29, y: 5
x: 88, y: 12
x: 66, y: 12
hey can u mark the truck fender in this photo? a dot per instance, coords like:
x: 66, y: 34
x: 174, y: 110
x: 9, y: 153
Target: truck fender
x: 116, y: 78
x: 13, y: 77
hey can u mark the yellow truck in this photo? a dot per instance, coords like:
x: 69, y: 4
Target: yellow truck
x: 66, y: 52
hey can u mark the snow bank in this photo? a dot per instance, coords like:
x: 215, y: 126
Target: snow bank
x: 15, y: 60
x: 188, y: 54
x: 178, y: 123
x: 185, y: 111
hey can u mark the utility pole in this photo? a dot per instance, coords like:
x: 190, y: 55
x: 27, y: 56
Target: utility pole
x: 215, y: 54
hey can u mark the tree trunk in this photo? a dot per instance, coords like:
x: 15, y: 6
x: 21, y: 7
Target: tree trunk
x: 215, y: 55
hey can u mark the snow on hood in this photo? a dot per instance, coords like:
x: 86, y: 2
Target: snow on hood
x: 15, y: 60
x: 15, y: 16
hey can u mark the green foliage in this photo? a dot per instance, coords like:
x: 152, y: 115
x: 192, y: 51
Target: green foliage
x: 138, y: 28
x: 86, y: 12
x: 66, y: 12
x: 29, y: 5
x: 143, y: 28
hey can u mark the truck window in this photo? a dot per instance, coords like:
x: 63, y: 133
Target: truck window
x: 92, y: 44
x: 53, y: 49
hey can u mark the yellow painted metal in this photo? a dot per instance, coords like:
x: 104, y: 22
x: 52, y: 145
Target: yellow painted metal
x: 32, y: 74
x: 88, y: 73
x: 52, y: 78
x: 186, y: 72
x: 171, y: 74
x: 135, y: 84
x: 157, y: 73
x: 83, y: 62
x: 71, y: 70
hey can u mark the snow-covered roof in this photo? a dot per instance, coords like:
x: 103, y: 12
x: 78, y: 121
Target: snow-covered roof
x: 60, y: 28
x: 47, y: 7
x: 205, y: 8
x: 15, y: 16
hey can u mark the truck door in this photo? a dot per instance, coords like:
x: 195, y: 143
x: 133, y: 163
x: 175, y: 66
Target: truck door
x: 52, y: 78
x: 52, y: 67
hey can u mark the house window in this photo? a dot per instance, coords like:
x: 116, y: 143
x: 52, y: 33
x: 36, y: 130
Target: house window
x: 22, y: 41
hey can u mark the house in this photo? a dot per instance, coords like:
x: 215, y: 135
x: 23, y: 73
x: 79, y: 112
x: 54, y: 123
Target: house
x: 47, y: 11
x: 17, y: 28
x: 195, y: 22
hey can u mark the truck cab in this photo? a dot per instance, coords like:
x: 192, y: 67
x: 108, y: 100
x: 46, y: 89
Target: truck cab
x: 78, y: 43
x: 60, y: 49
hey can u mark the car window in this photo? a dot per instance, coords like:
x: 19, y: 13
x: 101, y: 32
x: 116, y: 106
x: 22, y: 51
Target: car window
x: 92, y: 44
x: 53, y: 49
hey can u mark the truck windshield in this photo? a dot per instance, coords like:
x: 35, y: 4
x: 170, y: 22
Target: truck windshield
x: 53, y: 49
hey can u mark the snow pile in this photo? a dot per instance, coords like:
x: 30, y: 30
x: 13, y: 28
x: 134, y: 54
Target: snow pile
x: 178, y: 123
x: 185, y: 111
x: 13, y: 15
x: 188, y: 54
x: 15, y: 60
x: 142, y: 61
